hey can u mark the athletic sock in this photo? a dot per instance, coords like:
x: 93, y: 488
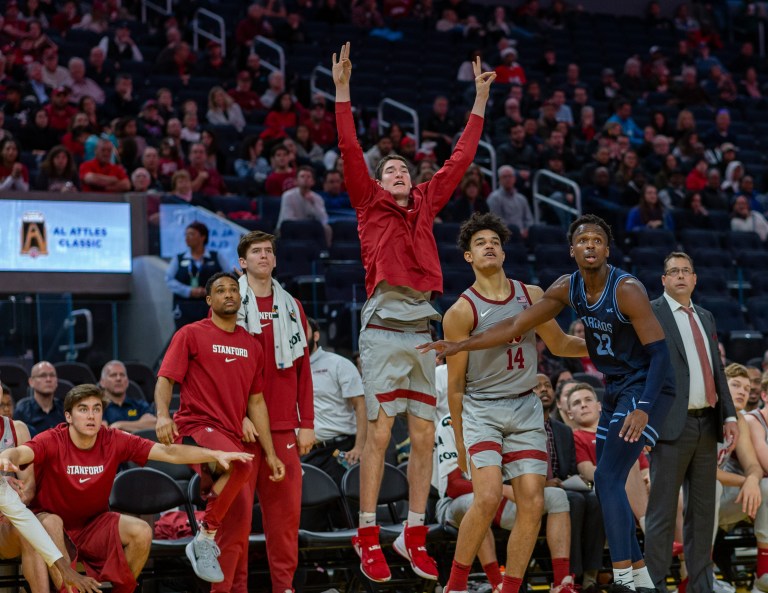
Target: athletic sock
x: 493, y: 573
x: 623, y: 576
x: 416, y: 519
x: 762, y: 561
x: 367, y: 519
x: 561, y: 567
x: 511, y: 584
x: 459, y: 576
x: 642, y: 578
x: 208, y: 533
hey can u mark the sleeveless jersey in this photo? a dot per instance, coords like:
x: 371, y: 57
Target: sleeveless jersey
x: 502, y: 371
x: 613, y: 345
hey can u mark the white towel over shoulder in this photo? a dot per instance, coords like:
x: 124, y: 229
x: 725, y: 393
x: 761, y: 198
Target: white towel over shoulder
x: 290, y: 338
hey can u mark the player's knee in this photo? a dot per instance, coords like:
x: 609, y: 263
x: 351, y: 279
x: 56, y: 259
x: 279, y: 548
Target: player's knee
x: 141, y: 534
x: 378, y: 435
x: 423, y: 440
x: 487, y: 500
x: 52, y: 523
x: 530, y: 505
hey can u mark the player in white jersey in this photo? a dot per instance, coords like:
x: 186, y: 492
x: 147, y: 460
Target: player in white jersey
x: 495, y: 414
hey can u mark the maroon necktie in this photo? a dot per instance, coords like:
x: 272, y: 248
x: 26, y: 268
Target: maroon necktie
x: 701, y: 350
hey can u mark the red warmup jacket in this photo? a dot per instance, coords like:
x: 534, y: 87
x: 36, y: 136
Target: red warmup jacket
x: 397, y: 243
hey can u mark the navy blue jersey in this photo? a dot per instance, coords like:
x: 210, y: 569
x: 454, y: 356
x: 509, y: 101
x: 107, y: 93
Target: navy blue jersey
x: 611, y: 340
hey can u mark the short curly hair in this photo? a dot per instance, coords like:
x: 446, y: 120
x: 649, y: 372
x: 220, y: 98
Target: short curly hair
x: 590, y: 219
x: 480, y: 222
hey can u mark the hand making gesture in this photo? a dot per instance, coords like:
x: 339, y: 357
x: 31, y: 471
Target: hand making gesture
x: 342, y: 72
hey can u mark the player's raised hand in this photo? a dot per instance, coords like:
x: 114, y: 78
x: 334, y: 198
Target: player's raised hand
x: 483, y: 80
x: 442, y: 347
x: 342, y: 68
x: 634, y: 425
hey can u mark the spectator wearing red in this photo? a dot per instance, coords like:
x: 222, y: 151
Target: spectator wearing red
x: 243, y: 93
x: 101, y: 175
x: 321, y: 131
x: 366, y: 15
x: 14, y: 175
x: 697, y: 178
x: 284, y: 115
x: 60, y: 112
x: 255, y: 23
x: 15, y: 25
x: 205, y: 180
x: 509, y: 71
x: 283, y: 175
x: 66, y: 17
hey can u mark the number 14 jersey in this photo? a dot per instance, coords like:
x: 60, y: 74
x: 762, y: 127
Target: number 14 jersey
x: 613, y: 345
x: 503, y: 371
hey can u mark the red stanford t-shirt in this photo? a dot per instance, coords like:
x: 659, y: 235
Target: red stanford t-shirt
x: 74, y: 483
x: 218, y: 371
x: 586, y: 448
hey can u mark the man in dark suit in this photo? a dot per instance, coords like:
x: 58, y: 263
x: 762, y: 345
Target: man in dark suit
x: 686, y: 452
x: 587, y: 534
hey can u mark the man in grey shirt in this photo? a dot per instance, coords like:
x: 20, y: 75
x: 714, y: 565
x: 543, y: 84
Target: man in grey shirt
x: 301, y: 203
x: 509, y: 204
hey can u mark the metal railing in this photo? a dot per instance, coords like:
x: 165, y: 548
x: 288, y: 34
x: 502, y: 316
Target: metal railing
x: 539, y: 197
x: 489, y: 171
x: 315, y: 88
x: 405, y: 109
x: 163, y: 9
x: 267, y: 63
x: 199, y: 31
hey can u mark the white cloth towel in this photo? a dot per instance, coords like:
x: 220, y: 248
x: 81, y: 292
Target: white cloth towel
x: 290, y: 338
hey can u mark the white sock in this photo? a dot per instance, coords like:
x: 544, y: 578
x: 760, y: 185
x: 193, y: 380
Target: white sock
x: 207, y: 533
x: 642, y: 578
x: 367, y: 519
x: 623, y: 576
x: 416, y: 519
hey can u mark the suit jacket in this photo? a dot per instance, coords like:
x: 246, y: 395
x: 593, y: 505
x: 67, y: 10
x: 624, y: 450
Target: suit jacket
x: 673, y: 426
x: 564, y: 448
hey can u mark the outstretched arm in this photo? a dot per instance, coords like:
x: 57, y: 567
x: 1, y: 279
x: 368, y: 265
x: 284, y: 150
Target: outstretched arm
x: 558, y: 342
x: 550, y: 304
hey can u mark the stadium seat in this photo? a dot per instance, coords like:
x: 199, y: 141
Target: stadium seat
x: 296, y: 258
x: 147, y: 491
x: 62, y: 389
x: 737, y: 242
x: 345, y: 283
x: 450, y: 255
x: 345, y: 230
x: 16, y: 378
x: 712, y: 282
x: 75, y: 372
x: 595, y: 382
x: 657, y: 238
x: 446, y: 232
x: 394, y: 489
x: 693, y: 239
x: 648, y: 258
x: 751, y: 261
x: 651, y: 280
x: 727, y: 312
x: 143, y: 376
x: 545, y: 234
x: 305, y: 230
x: 344, y: 251
x: 456, y: 279
x: 550, y: 257
x: 181, y: 473
x: 711, y: 258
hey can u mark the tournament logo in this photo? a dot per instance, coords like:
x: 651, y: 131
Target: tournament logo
x: 34, y: 241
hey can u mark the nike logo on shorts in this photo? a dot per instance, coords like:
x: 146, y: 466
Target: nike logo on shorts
x: 230, y: 359
x: 82, y: 480
x: 291, y: 446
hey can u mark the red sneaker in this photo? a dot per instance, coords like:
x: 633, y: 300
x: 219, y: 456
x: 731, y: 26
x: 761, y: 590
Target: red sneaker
x: 372, y: 562
x: 411, y: 545
x: 566, y: 586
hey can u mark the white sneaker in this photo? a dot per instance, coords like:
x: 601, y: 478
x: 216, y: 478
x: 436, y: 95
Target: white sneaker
x: 203, y: 554
x: 719, y: 586
x: 761, y: 584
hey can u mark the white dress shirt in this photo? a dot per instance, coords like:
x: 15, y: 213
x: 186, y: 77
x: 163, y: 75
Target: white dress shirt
x: 696, y: 395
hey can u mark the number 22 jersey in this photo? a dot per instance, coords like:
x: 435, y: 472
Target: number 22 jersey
x: 611, y: 339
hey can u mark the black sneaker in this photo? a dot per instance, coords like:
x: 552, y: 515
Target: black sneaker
x: 619, y: 588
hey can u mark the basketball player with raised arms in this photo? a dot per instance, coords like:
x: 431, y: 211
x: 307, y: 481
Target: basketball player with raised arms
x: 495, y: 414
x: 626, y: 343
x: 402, y: 275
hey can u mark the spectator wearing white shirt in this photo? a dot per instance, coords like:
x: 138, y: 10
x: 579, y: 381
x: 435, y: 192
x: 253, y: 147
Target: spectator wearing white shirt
x: 744, y: 219
x: 509, y: 204
x: 340, y: 417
